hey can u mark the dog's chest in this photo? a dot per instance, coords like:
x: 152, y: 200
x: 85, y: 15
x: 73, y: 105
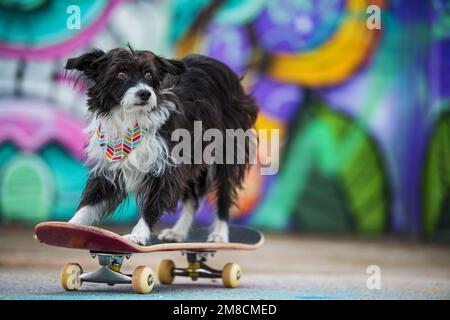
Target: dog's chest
x: 117, y: 148
x: 149, y: 156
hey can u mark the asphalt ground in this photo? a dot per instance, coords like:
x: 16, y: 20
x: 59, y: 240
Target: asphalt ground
x: 288, y: 266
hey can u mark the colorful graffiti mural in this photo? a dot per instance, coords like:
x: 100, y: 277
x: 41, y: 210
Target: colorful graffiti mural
x: 362, y: 112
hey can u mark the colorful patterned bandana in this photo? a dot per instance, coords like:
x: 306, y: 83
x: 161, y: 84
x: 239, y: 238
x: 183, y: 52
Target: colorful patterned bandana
x: 118, y: 148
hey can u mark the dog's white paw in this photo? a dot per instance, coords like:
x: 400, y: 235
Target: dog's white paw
x: 142, y: 241
x: 217, y: 237
x: 171, y: 235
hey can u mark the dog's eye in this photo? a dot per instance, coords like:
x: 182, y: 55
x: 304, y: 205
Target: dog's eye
x: 148, y: 76
x: 122, y: 75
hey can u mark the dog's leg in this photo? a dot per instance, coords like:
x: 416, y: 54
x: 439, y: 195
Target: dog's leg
x: 153, y: 201
x: 181, y: 229
x: 99, y: 197
x: 220, y: 227
x: 88, y: 215
x: 219, y: 232
x: 140, y: 233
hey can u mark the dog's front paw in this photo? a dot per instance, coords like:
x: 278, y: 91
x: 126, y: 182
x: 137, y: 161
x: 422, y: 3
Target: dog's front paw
x: 142, y: 241
x: 218, y: 237
x: 171, y: 235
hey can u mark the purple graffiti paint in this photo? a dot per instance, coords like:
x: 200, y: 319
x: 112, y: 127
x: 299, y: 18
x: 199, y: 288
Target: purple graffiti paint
x: 229, y: 44
x: 293, y: 26
x: 277, y: 99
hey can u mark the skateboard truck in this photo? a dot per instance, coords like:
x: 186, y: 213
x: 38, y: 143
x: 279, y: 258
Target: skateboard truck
x: 142, y: 279
x: 197, y: 268
x: 109, y: 271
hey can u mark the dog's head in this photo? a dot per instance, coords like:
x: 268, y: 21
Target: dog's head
x: 124, y: 78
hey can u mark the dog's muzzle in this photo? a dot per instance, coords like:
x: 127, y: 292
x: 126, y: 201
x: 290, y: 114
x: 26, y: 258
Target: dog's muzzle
x: 140, y: 95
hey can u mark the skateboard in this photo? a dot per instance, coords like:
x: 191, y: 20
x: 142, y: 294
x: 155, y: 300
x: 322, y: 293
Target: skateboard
x: 111, y: 249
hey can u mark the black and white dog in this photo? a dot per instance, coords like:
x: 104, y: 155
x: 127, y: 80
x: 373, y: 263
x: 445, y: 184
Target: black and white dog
x: 142, y: 98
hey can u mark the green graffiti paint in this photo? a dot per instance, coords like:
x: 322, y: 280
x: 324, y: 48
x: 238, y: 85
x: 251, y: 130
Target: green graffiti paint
x: 436, y: 186
x: 322, y: 171
x: 26, y: 189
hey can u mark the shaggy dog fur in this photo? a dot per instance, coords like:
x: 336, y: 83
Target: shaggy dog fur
x: 128, y: 87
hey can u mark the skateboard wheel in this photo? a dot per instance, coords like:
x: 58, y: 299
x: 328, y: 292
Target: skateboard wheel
x: 143, y: 280
x: 70, y: 276
x: 165, y: 271
x: 231, y: 275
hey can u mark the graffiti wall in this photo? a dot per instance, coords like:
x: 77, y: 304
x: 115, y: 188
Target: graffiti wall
x: 359, y: 90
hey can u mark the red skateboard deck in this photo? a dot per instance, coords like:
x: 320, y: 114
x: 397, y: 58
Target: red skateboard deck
x: 67, y: 235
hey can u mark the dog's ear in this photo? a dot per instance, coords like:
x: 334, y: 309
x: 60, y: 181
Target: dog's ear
x: 87, y: 63
x: 172, y: 66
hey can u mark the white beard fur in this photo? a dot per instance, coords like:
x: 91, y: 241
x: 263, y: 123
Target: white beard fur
x: 151, y: 155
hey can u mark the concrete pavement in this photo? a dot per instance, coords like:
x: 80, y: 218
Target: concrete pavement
x: 289, y: 266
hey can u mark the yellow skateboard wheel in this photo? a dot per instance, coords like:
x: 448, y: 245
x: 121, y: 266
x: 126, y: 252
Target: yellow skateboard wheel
x: 70, y: 276
x: 231, y: 275
x: 143, y: 280
x: 165, y: 271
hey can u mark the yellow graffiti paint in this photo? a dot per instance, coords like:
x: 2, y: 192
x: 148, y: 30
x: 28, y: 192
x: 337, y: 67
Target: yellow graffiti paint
x: 336, y: 59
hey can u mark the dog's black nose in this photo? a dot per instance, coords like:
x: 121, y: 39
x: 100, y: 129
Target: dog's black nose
x: 144, y: 95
